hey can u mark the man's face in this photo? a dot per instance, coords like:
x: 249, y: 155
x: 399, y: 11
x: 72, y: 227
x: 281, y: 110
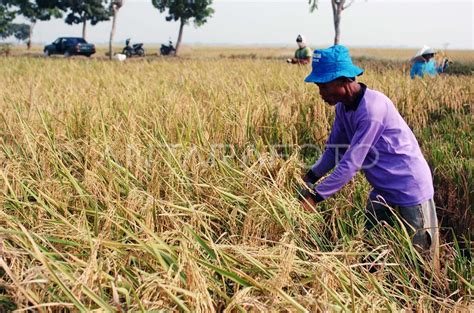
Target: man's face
x: 332, y: 92
x: 427, y: 57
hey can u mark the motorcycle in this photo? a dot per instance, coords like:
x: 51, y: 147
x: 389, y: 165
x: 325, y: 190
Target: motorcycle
x: 135, y: 49
x: 167, y: 49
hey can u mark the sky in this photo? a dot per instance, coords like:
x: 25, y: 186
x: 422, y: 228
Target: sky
x: 366, y: 23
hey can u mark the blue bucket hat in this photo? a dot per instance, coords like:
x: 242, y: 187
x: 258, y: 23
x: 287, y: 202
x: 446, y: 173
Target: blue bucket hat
x: 332, y: 63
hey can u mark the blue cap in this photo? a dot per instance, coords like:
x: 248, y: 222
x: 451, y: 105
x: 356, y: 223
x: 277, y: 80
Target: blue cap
x: 332, y: 63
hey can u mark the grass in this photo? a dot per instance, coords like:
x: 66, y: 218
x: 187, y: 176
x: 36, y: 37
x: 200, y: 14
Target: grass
x: 156, y: 185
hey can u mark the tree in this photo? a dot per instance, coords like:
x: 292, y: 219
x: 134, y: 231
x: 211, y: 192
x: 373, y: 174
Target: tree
x: 81, y: 11
x: 35, y: 10
x: 7, y: 27
x: 20, y: 31
x: 115, y: 6
x: 183, y: 11
x: 6, y: 18
x: 337, y: 7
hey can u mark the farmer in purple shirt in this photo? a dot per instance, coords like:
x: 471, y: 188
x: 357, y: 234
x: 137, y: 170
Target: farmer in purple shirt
x: 369, y: 134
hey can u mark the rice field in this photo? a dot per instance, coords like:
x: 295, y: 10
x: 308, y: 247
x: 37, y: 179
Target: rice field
x: 168, y: 184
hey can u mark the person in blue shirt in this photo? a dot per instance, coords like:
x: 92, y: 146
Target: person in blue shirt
x: 424, y: 63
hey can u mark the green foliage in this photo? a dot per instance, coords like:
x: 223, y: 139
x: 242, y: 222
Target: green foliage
x: 36, y: 10
x: 20, y: 31
x: 460, y: 68
x: 6, y: 17
x: 33, y: 10
x: 313, y: 5
x: 184, y: 10
x: 94, y: 11
x: 450, y: 154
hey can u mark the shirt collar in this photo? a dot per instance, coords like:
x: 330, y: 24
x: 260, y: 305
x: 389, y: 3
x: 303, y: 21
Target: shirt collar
x: 355, y: 104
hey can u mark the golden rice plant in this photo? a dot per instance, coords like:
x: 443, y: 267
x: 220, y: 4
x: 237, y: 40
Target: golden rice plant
x: 169, y: 184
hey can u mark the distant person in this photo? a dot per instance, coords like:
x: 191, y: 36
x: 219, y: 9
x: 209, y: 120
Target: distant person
x: 424, y: 63
x: 303, y: 53
x: 369, y: 135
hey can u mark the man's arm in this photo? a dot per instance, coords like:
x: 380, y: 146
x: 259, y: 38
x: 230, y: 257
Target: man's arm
x: 367, y: 134
x: 299, y: 61
x: 414, y: 70
x: 302, y: 61
x: 304, y: 58
x: 443, y: 66
x: 335, y: 146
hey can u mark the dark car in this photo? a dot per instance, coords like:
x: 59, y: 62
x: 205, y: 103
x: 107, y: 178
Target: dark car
x: 70, y: 46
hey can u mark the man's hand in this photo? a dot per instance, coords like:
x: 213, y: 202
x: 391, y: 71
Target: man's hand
x: 308, y: 198
x: 309, y: 205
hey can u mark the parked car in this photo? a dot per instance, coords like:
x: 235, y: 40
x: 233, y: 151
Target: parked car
x: 70, y: 46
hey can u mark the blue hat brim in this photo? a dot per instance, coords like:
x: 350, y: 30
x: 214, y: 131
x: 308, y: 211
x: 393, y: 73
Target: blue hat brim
x: 353, y: 71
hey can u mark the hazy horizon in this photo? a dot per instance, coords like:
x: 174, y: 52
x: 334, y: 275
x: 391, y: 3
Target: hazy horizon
x: 372, y: 23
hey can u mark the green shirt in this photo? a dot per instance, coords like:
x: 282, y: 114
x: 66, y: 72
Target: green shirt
x: 303, y: 53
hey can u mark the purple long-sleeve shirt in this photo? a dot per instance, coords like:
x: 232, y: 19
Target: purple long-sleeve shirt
x: 374, y: 138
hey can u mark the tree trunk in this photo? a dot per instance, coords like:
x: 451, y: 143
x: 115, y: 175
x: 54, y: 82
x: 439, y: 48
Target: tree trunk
x: 84, y: 23
x: 30, y: 35
x: 337, y: 8
x: 112, y: 31
x: 180, y: 36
